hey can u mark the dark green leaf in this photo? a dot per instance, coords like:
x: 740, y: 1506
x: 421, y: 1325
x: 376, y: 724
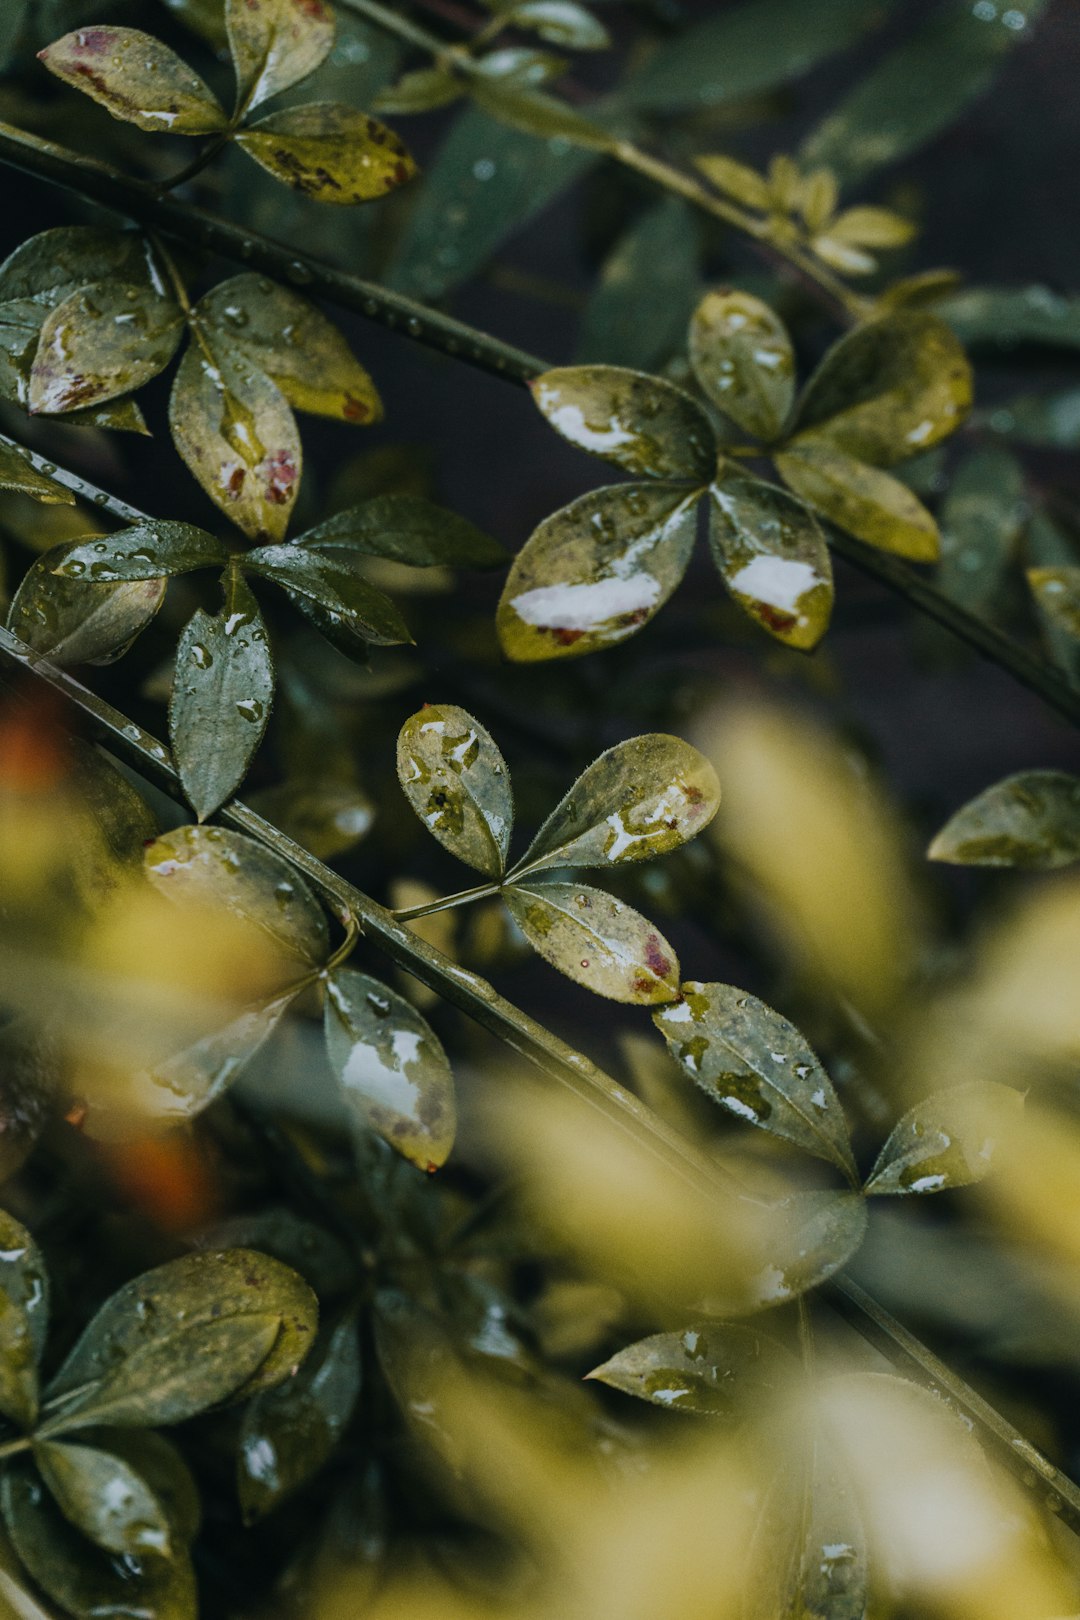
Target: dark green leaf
x: 104, y: 1497
x: 329, y: 152
x: 221, y: 697
x: 1029, y: 820
x: 333, y: 581
x: 718, y: 1368
x: 44, y: 270
x: 637, y: 421
x: 1048, y: 546
x: 288, y: 1434
x: 137, y: 78
x: 742, y: 356
x: 947, y: 1140
x: 393, y: 1072
x: 30, y: 1070
x: 862, y: 500
x: 596, y: 940
x: 537, y: 114
x: 158, y: 1462
x: 641, y: 798
x: 1051, y: 421
x: 638, y: 309
x: 145, y: 551
x: 19, y: 475
x: 24, y: 1319
x: 115, y: 823
x: 772, y: 556
x: 596, y: 571
x: 70, y: 621
x: 456, y: 780
x: 981, y: 522
x: 407, y: 529
x: 1002, y: 317
x: 276, y: 43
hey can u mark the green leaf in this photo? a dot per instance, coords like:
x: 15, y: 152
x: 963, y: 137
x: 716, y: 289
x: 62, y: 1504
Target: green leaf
x: 1051, y: 421
x: 637, y: 421
x: 455, y: 778
x: 757, y: 1066
x: 158, y: 1462
x: 148, y: 550
x: 804, y: 1240
x: 641, y: 798
x: 70, y: 621
x: 208, y: 866
x: 236, y: 434
x: 333, y: 581
x: 947, y: 1140
x: 862, y: 500
x: 536, y: 113
x: 422, y: 90
x: 982, y: 519
x: 593, y: 573
x: 1048, y: 546
x: 809, y: 1554
x: 116, y: 823
x: 721, y: 1369
x: 772, y: 556
x: 327, y: 816
x: 1057, y: 595
x: 187, y: 1335
x: 920, y: 88
x: 44, y: 270
x: 1002, y: 317
x: 289, y: 1434
x: 742, y: 356
x: 1030, y: 820
x: 137, y: 78
x: 738, y: 180
x: 329, y: 152
x: 221, y: 697
x: 84, y: 1581
x: 294, y: 343
x: 888, y: 390
x: 561, y: 22
x: 407, y: 529
x: 19, y: 476
x: 104, y: 1497
x: 275, y: 44
x: 642, y: 299
x: 24, y: 1319
x: 518, y: 65
x: 394, y: 1074
x: 596, y: 940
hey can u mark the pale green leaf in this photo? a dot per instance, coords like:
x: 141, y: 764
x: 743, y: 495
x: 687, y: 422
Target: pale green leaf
x: 596, y: 940
x: 536, y: 113
x: 947, y: 1140
x: 329, y: 152
x: 809, y: 1554
x: 742, y: 356
x: 771, y: 554
x: 101, y: 342
x: 275, y: 44
x: 1029, y: 820
x: 103, y: 1496
x: 1002, y: 317
x: 149, y: 550
x: 982, y: 519
x: 721, y: 1369
x: 562, y: 22
x: 737, y: 179
x: 70, y: 621
x: 635, y: 420
x: 871, y: 228
x: 455, y: 778
x: 422, y: 90
x: 803, y: 1240
x: 137, y: 78
x: 332, y: 579
x: 24, y: 1317
x: 1057, y: 595
x: 862, y: 500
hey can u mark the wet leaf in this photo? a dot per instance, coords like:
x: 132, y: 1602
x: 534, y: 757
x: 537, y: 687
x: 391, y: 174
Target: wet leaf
x: 221, y: 697
x: 208, y: 866
x: 235, y: 432
x: 809, y: 1555
x: 145, y: 551
x: 333, y: 581
x: 104, y: 1497
x: 294, y: 343
x: 24, y: 1318
x: 329, y: 152
x: 1057, y: 594
x: 535, y: 113
x: 1030, y: 820
x: 862, y: 500
x: 888, y: 390
x: 982, y: 519
x: 114, y: 824
x: 137, y: 78
x: 19, y: 476
x: 192, y: 1333
x: 742, y: 356
x: 947, y: 1140
x: 641, y: 798
x: 288, y: 1434
x: 772, y: 556
x: 70, y: 621
x: 593, y: 573
x: 158, y: 1462
x: 804, y: 1240
x: 757, y: 1066
x: 82, y: 1580
x: 718, y: 1368
x: 596, y: 940
x: 637, y: 421
x: 638, y: 308
x: 562, y: 22
x: 393, y: 1072
x: 455, y: 778
x: 408, y: 529
x: 276, y: 43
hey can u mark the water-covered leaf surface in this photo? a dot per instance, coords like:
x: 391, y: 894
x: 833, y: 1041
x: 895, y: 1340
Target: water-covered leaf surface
x: 456, y: 780
x: 329, y: 152
x: 24, y: 1316
x: 73, y: 621
x: 408, y: 529
x: 771, y: 554
x: 716, y: 1368
x: 638, y: 421
x: 276, y: 43
x: 742, y: 356
x: 596, y: 940
x: 137, y: 78
x: 947, y: 1140
x: 143, y: 551
x: 103, y: 341
x: 1028, y: 820
x: 104, y: 1497
x: 333, y: 581
x: 861, y: 499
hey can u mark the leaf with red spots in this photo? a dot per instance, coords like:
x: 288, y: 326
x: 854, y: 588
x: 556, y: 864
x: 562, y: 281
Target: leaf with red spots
x: 234, y: 429
x: 104, y: 340
x: 276, y: 43
x: 330, y: 152
x: 295, y: 344
x: 137, y: 78
x: 596, y: 940
x: 771, y: 554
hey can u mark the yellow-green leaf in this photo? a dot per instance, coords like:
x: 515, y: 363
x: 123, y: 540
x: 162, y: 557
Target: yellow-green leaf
x: 596, y: 940
x: 862, y: 500
x: 1028, y: 820
x: 737, y: 179
x: 24, y: 1317
x: 535, y: 113
x: 137, y: 78
x: 276, y: 43
x: 947, y: 1140
x: 456, y: 780
x: 19, y: 475
x: 638, y: 421
x: 871, y: 228
x: 330, y: 152
x: 717, y: 1368
x: 1057, y: 593
x: 742, y: 357
x: 103, y: 341
x: 772, y: 556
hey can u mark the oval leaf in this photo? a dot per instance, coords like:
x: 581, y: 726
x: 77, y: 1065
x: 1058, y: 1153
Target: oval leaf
x: 888, y: 390
x: 521, y: 107
x: 24, y: 1317
x: 455, y: 778
x: 137, y: 78
x: 276, y: 43
x: 407, y: 529
x: 862, y: 500
x: 638, y: 421
x: 70, y: 621
x: 596, y: 571
x: 641, y: 798
x: 19, y: 476
x: 1028, y: 820
x: 221, y: 697
x: 772, y: 556
x: 596, y: 940
x: 394, y: 1073
x: 333, y: 581
x: 145, y: 551
x: 104, y: 340
x: 104, y: 1497
x: 804, y: 1240
x: 757, y: 1066
x: 742, y: 357
x: 809, y: 1555
x: 1057, y: 593
x: 329, y: 152
x: 562, y: 22
x: 947, y: 1140
x: 716, y: 1368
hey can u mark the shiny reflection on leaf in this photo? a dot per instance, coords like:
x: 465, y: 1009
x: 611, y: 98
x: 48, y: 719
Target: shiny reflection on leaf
x: 638, y: 421
x: 456, y: 780
x: 596, y: 940
x: 947, y: 1140
x: 862, y: 500
x: 772, y: 556
x: 742, y: 356
x: 717, y: 1368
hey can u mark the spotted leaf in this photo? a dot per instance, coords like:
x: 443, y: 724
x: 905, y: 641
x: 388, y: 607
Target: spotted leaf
x: 742, y: 357
x: 456, y: 780
x: 638, y: 421
x: 137, y: 78
x: 596, y: 940
x: 947, y: 1140
x: 330, y: 152
x: 772, y: 556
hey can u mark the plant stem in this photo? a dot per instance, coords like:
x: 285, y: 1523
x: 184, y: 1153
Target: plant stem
x: 449, y: 902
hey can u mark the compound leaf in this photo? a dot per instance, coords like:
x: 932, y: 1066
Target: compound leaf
x: 408, y: 529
